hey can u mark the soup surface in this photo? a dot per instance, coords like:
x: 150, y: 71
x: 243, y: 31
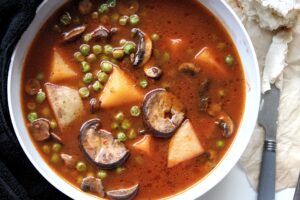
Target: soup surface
x: 139, y: 95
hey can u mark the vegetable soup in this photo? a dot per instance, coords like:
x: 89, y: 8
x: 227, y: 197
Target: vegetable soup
x: 132, y: 98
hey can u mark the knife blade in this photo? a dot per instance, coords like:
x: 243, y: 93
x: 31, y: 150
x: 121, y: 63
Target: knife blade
x: 267, y: 118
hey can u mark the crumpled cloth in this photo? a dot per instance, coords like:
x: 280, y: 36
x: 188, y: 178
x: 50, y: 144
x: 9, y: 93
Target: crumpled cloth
x: 278, y: 54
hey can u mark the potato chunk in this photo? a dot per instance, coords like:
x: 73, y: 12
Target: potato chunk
x: 184, y: 145
x: 206, y: 58
x: 65, y: 103
x: 120, y: 90
x: 60, y: 70
x: 144, y: 144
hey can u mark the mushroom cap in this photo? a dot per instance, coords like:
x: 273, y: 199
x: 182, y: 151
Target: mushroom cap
x: 100, y: 147
x: 39, y: 129
x: 163, y: 113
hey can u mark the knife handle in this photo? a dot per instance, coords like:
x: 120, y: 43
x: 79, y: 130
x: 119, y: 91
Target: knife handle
x: 266, y: 188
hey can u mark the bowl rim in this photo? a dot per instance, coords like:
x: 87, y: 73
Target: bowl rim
x: 192, y: 192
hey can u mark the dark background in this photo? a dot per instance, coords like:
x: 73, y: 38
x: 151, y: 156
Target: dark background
x: 18, y: 177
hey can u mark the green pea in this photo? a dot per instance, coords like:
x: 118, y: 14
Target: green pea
x: 156, y: 54
x: 114, y: 125
x: 84, y: 92
x: 118, y: 53
x: 165, y: 57
x: 120, y: 116
x: 115, y: 17
x: 85, y: 66
x: 40, y: 76
x: 220, y: 143
x: 56, y: 147
x: 104, y: 58
x: 87, y: 37
x: 229, y: 60
x: 97, y: 86
x: 131, y: 134
x: 103, y: 8
x: 101, y: 174
x: 121, y: 136
x: 125, y: 124
x: 94, y: 15
x: 46, y: 149
x: 123, y: 20
x: 91, y: 58
x: 32, y: 116
x: 53, y: 124
x: 134, y: 19
x: 97, y: 49
x: 78, y: 56
x: 139, y: 160
x: 81, y: 166
x: 129, y: 47
x: 221, y: 93
x: 120, y: 170
x: 88, y: 78
x: 108, y: 49
x: 55, y: 158
x: 106, y: 67
x: 85, y: 49
x: 155, y: 37
x: 66, y: 19
x: 102, y: 77
x: 135, y: 111
x: 143, y: 83
x: 40, y: 96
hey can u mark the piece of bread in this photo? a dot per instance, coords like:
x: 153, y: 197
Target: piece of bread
x: 271, y: 14
x: 276, y: 59
x: 65, y: 102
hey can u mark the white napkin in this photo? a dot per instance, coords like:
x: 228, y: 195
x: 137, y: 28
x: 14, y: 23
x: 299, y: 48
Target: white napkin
x: 279, y: 59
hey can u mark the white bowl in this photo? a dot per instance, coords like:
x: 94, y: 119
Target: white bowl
x: 250, y: 65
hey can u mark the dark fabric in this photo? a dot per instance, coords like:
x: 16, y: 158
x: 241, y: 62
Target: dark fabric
x: 18, y: 177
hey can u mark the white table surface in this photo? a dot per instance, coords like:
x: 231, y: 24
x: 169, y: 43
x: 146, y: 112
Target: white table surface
x: 235, y: 186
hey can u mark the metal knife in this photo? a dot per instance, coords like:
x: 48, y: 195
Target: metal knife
x: 267, y: 118
x: 297, y: 191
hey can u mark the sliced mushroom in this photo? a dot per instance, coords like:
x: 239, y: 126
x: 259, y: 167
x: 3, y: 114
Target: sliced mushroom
x: 128, y: 7
x: 162, y: 113
x: 123, y: 194
x: 144, y: 48
x: 85, y: 7
x: 39, y: 129
x: 56, y: 138
x: 225, y: 122
x: 203, y: 95
x: 32, y: 86
x: 103, y: 33
x: 69, y: 161
x: 91, y: 184
x: 189, y: 69
x: 100, y: 147
x: 152, y: 71
x: 94, y: 105
x: 74, y: 33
